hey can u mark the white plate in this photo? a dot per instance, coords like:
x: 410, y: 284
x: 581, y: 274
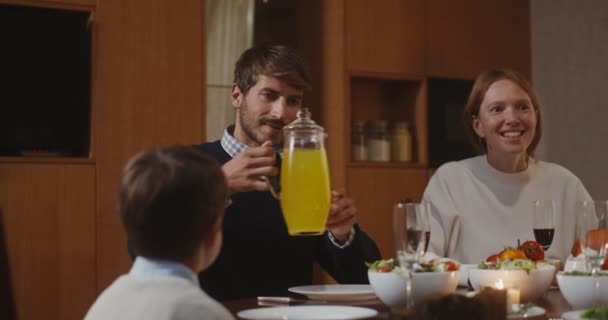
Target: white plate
x: 573, y: 315
x: 533, y: 311
x: 308, y: 313
x: 336, y: 292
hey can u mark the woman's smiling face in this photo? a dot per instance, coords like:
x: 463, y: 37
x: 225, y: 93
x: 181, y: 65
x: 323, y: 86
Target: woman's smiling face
x: 506, y: 120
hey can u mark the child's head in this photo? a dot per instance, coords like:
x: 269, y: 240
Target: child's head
x: 171, y: 201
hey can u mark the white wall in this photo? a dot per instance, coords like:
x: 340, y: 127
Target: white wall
x: 570, y: 74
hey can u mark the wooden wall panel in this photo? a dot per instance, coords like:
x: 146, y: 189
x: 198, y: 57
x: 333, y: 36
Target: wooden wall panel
x: 333, y: 89
x: 375, y: 190
x: 149, y: 90
x: 49, y: 212
x: 385, y: 36
x: 466, y: 37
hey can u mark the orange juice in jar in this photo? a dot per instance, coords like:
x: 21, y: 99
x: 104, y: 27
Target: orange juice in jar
x: 305, y: 189
x: 306, y: 195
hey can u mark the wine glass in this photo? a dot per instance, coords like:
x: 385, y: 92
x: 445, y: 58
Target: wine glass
x: 592, y: 236
x: 544, y: 222
x: 411, y: 224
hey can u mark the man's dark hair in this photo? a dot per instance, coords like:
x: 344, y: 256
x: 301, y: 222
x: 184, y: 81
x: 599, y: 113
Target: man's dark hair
x: 270, y: 60
x: 168, y: 199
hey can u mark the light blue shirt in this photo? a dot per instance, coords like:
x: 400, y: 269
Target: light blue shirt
x: 147, y: 267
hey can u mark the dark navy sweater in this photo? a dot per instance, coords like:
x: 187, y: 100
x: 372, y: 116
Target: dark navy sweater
x: 258, y: 256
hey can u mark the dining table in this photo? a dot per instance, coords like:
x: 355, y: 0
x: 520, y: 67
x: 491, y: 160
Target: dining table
x: 553, y: 302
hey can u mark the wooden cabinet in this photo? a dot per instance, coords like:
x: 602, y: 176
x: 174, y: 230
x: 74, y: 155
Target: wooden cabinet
x: 384, y: 75
x: 391, y: 49
x: 466, y: 37
x: 377, y: 185
x: 385, y: 97
x: 151, y: 72
x: 375, y: 190
x: 385, y: 36
x: 65, y: 239
x: 49, y: 221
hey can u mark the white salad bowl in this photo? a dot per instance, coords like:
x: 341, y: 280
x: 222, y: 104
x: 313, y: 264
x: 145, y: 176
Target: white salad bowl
x: 579, y: 289
x: 531, y: 284
x: 390, y: 286
x: 464, y: 274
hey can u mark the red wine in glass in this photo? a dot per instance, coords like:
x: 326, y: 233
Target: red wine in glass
x: 544, y: 222
x: 544, y: 237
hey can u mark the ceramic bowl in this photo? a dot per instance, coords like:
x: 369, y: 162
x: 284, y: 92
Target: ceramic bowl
x: 464, y: 274
x: 579, y: 289
x: 531, y: 285
x: 390, y: 286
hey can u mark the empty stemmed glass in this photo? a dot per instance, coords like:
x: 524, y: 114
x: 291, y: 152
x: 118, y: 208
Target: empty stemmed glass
x: 544, y: 222
x: 411, y: 224
x: 592, y: 236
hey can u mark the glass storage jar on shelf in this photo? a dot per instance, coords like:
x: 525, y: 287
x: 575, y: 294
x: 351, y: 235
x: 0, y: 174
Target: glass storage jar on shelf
x: 359, y: 150
x: 379, y: 142
x: 401, y: 142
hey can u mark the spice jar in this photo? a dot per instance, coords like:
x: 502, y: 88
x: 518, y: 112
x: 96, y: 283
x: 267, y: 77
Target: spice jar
x: 379, y: 142
x: 359, y: 150
x: 401, y: 142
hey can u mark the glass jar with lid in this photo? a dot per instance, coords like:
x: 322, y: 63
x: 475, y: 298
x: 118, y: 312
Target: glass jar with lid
x: 359, y: 150
x: 401, y: 142
x: 379, y: 141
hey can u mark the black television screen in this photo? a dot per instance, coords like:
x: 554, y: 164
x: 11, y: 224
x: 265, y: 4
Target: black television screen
x: 45, y: 81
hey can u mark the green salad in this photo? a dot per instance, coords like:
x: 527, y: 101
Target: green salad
x: 383, y: 265
x: 597, y: 313
x: 391, y: 265
x: 516, y: 264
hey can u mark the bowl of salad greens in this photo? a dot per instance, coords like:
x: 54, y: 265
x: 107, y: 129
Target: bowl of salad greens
x: 389, y: 280
x: 578, y: 287
x: 531, y: 278
x: 594, y: 313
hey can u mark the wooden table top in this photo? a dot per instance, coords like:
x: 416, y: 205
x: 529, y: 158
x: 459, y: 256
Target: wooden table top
x: 553, y: 302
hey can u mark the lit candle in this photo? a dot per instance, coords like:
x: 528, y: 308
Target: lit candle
x: 499, y: 284
x: 512, y: 296
x: 512, y: 299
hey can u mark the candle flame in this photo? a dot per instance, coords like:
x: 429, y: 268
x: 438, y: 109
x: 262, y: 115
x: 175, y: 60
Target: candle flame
x: 499, y: 284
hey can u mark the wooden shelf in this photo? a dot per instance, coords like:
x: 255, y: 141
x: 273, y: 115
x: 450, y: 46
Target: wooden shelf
x: 392, y: 97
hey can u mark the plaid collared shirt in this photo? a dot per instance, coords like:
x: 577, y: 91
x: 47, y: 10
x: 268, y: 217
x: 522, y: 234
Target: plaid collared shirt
x: 233, y: 147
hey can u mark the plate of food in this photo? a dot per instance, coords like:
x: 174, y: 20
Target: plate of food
x: 524, y: 311
x: 336, y: 292
x: 308, y: 313
x: 430, y: 278
x: 522, y: 268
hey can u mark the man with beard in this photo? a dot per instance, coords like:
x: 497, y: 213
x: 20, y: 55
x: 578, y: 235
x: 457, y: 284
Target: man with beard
x: 258, y: 256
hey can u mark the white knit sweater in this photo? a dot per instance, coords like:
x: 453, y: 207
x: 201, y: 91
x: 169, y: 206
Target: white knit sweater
x: 478, y: 210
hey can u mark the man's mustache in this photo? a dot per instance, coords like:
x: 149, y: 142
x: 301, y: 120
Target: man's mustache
x: 276, y: 123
